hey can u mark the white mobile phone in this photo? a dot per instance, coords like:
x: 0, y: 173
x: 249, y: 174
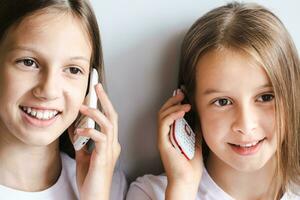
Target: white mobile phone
x: 91, y: 101
x: 182, y: 137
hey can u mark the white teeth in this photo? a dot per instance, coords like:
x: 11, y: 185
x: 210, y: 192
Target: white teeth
x: 46, y: 115
x: 39, y: 115
x: 43, y: 115
x: 249, y: 145
x: 33, y: 113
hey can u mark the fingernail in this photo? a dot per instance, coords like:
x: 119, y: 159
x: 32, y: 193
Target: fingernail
x: 179, y: 91
x: 78, y: 130
x: 99, y: 85
x: 174, y: 92
x: 83, y: 107
x: 188, y: 106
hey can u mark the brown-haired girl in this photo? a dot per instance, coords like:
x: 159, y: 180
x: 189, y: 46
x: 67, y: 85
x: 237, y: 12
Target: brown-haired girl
x: 47, y: 51
x: 241, y: 75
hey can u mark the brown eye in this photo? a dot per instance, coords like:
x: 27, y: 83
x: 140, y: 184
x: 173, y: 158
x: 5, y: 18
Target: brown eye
x: 28, y: 62
x: 266, y: 98
x: 222, y: 102
x: 74, y: 70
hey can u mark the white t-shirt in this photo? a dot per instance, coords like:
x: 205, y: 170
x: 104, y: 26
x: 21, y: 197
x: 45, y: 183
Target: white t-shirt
x: 65, y: 188
x: 150, y: 187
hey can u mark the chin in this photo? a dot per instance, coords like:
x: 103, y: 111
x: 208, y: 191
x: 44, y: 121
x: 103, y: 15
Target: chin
x: 38, y: 139
x: 248, y: 166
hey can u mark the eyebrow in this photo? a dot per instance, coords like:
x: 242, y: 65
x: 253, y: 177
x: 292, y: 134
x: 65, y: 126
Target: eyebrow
x: 266, y: 85
x: 23, y: 48
x: 211, y: 90
x: 80, y: 58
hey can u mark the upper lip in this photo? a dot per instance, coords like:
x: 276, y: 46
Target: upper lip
x: 43, y: 108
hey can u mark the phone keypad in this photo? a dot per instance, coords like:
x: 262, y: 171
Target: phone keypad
x: 185, y: 138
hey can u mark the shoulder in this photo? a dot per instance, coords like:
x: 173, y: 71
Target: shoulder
x: 293, y: 193
x: 148, y: 187
x: 68, y: 166
x: 119, y: 185
x: 68, y: 174
x: 290, y: 196
x: 67, y: 161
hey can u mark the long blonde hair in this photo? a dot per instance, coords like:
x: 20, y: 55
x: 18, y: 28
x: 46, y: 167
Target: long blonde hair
x: 254, y: 30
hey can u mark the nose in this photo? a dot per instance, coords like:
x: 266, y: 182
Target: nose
x: 48, y: 86
x: 246, y: 120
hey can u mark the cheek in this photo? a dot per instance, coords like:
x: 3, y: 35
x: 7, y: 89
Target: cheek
x: 13, y: 87
x: 267, y: 122
x: 214, y: 126
x: 75, y: 96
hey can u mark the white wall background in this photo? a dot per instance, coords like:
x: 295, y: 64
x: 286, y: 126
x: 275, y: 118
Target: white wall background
x: 141, y: 41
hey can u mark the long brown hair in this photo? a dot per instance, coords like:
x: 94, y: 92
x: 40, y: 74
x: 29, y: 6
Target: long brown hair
x: 13, y: 12
x: 254, y: 30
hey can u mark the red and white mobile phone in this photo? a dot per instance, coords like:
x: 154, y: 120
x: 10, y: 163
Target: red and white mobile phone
x: 182, y: 137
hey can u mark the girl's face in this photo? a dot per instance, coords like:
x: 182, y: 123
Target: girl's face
x: 235, y: 102
x: 44, y: 66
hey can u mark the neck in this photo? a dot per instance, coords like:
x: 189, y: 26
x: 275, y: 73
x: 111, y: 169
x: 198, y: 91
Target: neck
x: 28, y: 168
x: 242, y: 184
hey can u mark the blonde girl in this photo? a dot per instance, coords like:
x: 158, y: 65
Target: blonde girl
x: 241, y: 76
x: 47, y: 51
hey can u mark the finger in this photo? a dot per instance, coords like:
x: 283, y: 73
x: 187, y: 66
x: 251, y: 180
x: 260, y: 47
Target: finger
x: 98, y: 137
x: 165, y: 123
x: 107, y: 106
x: 108, y: 110
x: 100, y: 119
x: 173, y: 101
x: 164, y: 140
x: 178, y: 107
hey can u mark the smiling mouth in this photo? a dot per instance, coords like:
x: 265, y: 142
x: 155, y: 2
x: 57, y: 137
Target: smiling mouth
x: 248, y: 145
x: 40, y: 114
x: 247, y: 149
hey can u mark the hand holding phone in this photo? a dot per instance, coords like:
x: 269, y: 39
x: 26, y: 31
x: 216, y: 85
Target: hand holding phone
x: 91, y: 101
x: 182, y: 137
x: 95, y: 168
x: 175, y: 137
